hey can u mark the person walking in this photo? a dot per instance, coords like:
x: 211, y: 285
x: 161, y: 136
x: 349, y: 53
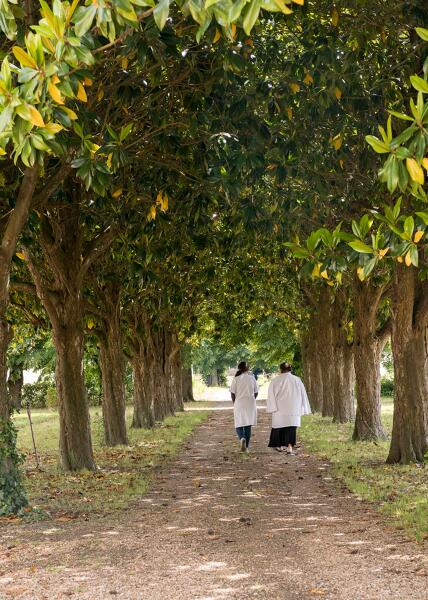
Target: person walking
x: 244, y: 391
x: 287, y: 402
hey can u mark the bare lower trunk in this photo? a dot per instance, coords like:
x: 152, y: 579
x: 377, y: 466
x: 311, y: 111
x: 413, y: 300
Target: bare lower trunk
x: 144, y: 415
x: 112, y: 367
x: 75, y: 433
x: 368, y: 346
x: 187, y: 384
x: 12, y: 496
x: 312, y: 367
x: 343, y: 362
x: 410, y: 352
x: 325, y: 350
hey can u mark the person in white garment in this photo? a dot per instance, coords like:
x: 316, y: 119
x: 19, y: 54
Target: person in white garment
x: 244, y: 391
x: 287, y: 401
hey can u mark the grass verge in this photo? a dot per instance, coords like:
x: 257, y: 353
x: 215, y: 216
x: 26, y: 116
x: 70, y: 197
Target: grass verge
x: 124, y: 472
x: 400, y: 492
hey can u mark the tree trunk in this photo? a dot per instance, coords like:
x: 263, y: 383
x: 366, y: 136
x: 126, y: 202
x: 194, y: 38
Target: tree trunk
x: 343, y: 376
x: 312, y: 368
x: 409, y: 347
x: 187, y: 384
x: 368, y: 348
x: 12, y: 496
x: 325, y: 350
x: 112, y: 365
x: 144, y: 415
x: 176, y: 369
x: 62, y: 246
x: 75, y: 432
x: 15, y: 383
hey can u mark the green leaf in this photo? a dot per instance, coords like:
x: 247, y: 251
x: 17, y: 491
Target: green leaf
x: 422, y: 33
x: 419, y: 84
x: 251, y: 16
x: 409, y: 226
x: 369, y: 266
x: 377, y: 144
x: 414, y: 256
x: 83, y: 19
x: 360, y: 246
x: 161, y: 13
x: 423, y: 216
x: 400, y: 115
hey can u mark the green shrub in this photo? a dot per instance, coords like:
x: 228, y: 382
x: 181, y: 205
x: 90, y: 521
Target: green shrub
x: 35, y: 394
x: 387, y: 387
x: 51, y: 397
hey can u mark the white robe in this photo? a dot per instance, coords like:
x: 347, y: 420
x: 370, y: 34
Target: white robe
x: 287, y: 401
x: 244, y: 409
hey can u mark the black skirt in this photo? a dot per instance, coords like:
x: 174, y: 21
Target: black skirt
x: 282, y: 436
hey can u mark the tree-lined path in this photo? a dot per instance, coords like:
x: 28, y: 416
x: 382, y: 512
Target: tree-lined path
x: 218, y: 524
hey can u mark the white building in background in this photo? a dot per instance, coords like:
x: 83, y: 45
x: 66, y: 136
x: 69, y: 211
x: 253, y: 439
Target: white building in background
x: 31, y: 376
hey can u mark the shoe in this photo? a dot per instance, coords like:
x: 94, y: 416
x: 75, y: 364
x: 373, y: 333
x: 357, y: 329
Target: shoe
x: 278, y: 449
x: 290, y: 451
x: 243, y: 444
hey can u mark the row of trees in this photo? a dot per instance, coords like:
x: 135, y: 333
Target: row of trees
x: 152, y: 185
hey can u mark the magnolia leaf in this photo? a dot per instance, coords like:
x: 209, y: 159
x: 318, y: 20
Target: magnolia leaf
x: 308, y: 79
x: 337, y: 141
x: 251, y: 16
x: 324, y: 274
x: 377, y: 145
x: 335, y: 17
x: 422, y: 33
x: 152, y: 213
x: 415, y: 170
x: 217, y: 36
x: 400, y: 115
x: 71, y: 114
x: 418, y: 236
x: 425, y: 163
x: 419, y: 84
x: 289, y: 113
x: 54, y: 93
x: 160, y: 13
x: 25, y: 59
x: 83, y: 18
x: 81, y: 93
x: 117, y: 193
x: 338, y: 93
x: 360, y: 246
x: 294, y: 87
x: 20, y: 255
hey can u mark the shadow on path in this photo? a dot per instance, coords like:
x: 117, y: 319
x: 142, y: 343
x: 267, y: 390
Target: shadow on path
x: 217, y: 525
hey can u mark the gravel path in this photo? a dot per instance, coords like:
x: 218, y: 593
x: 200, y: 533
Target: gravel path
x: 221, y: 525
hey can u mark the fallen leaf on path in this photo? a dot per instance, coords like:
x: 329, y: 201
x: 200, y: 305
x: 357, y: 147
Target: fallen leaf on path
x: 317, y: 591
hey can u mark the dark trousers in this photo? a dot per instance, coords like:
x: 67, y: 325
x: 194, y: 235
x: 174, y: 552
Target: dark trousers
x: 282, y: 437
x: 244, y: 432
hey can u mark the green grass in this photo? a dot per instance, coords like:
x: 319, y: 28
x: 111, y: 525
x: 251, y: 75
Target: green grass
x: 400, y: 492
x: 124, y: 472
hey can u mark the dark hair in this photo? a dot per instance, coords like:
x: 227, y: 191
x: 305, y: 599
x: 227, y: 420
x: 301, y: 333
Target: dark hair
x: 242, y: 368
x: 285, y: 367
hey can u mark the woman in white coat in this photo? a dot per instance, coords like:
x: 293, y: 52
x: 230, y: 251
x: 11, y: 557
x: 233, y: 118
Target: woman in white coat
x: 287, y: 401
x: 244, y: 391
